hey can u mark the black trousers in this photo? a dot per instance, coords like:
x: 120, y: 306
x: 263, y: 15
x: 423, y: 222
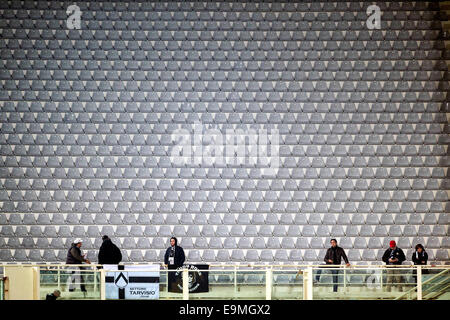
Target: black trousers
x: 335, y: 274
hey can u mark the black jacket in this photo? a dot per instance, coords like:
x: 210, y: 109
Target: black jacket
x: 396, y: 253
x: 336, y: 255
x: 50, y: 297
x: 420, y: 258
x: 74, y: 255
x: 109, y: 253
x: 179, y: 255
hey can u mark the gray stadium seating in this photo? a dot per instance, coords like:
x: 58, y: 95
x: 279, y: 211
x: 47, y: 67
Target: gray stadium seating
x: 87, y: 122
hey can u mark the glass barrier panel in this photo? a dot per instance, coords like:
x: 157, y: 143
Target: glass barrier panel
x: 361, y: 283
x: 72, y: 282
x: 2, y: 288
x: 287, y: 285
x: 234, y: 284
x: 435, y: 283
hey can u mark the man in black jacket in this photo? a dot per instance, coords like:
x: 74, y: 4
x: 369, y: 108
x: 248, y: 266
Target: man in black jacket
x: 419, y: 258
x: 393, y: 256
x: 109, y: 253
x: 334, y: 256
x: 74, y: 256
x: 173, y: 259
x: 174, y: 254
x: 53, y: 296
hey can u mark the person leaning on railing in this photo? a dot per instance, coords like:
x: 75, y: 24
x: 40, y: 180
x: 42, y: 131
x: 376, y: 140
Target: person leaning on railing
x: 419, y: 258
x: 394, y: 256
x: 334, y: 256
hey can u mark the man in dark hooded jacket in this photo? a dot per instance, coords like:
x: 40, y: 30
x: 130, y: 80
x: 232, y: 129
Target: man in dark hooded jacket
x: 174, y: 254
x: 173, y: 259
x: 109, y: 253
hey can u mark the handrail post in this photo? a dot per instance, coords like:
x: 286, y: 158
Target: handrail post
x: 102, y: 284
x: 345, y: 279
x: 381, y: 278
x: 95, y: 281
x: 269, y: 284
x: 419, y: 282
x: 59, y: 277
x: 235, y: 280
x: 185, y: 284
x: 308, y: 284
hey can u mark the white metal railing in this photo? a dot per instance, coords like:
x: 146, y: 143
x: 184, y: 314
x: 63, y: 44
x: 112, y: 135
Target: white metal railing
x: 420, y: 283
x: 306, y: 283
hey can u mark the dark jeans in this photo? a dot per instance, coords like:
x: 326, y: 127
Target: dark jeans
x: 335, y: 274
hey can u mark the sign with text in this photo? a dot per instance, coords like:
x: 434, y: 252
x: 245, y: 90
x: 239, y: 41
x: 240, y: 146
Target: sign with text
x: 132, y: 282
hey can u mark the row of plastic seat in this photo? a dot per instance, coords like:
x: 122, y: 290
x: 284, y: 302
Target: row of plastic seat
x: 212, y: 44
x: 154, y: 134
x: 147, y: 80
x: 226, y: 107
x: 49, y: 108
x: 129, y: 123
x: 216, y: 241
x: 416, y: 199
x: 239, y: 219
x: 153, y: 145
x: 147, y: 137
x: 224, y: 7
x: 328, y: 164
x: 236, y: 16
x: 140, y: 29
x: 236, y: 69
x: 209, y: 255
x: 213, y: 185
x: 96, y: 31
x: 111, y: 96
x: 214, y: 86
x: 253, y: 169
x: 208, y: 230
x: 158, y: 51
x: 326, y: 180
x: 223, y: 206
x: 158, y: 130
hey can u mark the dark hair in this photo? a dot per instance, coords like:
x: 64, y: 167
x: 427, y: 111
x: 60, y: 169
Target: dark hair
x: 333, y: 240
x: 420, y: 246
x: 176, y: 241
x: 105, y: 237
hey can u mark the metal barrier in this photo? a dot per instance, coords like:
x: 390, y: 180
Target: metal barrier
x: 305, y: 282
x: 2, y: 288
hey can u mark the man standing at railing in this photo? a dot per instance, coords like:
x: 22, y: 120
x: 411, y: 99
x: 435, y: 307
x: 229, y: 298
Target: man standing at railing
x: 334, y: 256
x: 393, y: 256
x: 419, y: 258
x: 173, y: 259
x: 74, y: 256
